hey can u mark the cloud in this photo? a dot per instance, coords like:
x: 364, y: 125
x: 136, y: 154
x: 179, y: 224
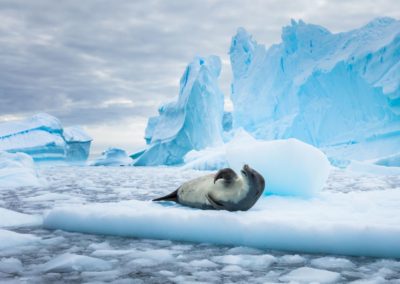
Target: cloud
x: 68, y: 58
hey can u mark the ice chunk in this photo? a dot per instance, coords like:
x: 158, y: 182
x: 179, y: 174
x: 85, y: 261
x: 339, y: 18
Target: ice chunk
x: 311, y: 275
x: 329, y: 90
x: 194, y: 121
x: 245, y: 260
x: 43, y: 138
x: 290, y: 167
x: 11, y: 218
x: 332, y: 263
x: 17, y: 169
x: 9, y: 239
x: 331, y: 223
x: 113, y: 157
x: 292, y: 259
x: 69, y: 262
x: 10, y: 265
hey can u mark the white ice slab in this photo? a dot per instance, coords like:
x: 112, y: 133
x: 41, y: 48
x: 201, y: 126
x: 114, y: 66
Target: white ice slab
x: 355, y: 223
x: 10, y: 239
x: 10, y: 218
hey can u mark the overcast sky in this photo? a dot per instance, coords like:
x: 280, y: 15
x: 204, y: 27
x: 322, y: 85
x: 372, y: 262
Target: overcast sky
x: 107, y: 65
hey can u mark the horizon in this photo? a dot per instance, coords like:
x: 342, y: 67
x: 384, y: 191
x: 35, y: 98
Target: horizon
x: 109, y: 71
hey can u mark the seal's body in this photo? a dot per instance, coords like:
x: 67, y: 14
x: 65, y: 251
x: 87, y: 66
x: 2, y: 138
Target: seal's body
x: 222, y: 191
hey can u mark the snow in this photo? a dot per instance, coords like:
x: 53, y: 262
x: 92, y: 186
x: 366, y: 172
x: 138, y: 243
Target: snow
x: 43, y: 137
x: 18, y: 169
x: 72, y: 262
x: 337, y: 91
x: 194, y: 121
x: 10, y: 239
x: 309, y: 275
x: 10, y: 218
x: 289, y: 167
x: 330, y: 224
x: 113, y: 157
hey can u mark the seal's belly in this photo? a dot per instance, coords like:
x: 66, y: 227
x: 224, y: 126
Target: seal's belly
x: 193, y: 193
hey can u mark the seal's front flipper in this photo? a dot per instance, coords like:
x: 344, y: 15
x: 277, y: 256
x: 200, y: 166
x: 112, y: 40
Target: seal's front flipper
x: 228, y: 175
x: 215, y: 204
x: 173, y: 196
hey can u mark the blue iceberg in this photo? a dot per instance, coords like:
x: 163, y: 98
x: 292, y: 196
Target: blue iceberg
x: 193, y: 122
x: 44, y: 139
x: 113, y: 157
x: 339, y: 92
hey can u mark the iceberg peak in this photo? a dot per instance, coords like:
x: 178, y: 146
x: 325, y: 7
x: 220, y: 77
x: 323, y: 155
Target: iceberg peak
x: 380, y: 21
x: 193, y: 121
x: 241, y: 52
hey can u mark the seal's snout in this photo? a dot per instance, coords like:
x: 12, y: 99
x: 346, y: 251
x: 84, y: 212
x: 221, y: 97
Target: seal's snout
x: 246, y: 167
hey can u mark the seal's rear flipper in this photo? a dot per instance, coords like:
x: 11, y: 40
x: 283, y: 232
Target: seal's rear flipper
x: 170, y: 197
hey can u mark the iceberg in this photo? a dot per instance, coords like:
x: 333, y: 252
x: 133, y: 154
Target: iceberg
x: 113, y: 157
x: 78, y: 143
x: 44, y: 139
x: 339, y: 92
x: 17, y: 169
x: 193, y: 122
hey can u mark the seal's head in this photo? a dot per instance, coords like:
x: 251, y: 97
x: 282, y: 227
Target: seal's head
x: 255, y: 182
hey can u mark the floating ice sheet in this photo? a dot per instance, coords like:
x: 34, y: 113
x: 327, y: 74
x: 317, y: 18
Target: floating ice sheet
x: 355, y: 223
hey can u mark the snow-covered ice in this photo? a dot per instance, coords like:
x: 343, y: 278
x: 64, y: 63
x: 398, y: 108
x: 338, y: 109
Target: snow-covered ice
x: 194, y: 121
x: 68, y: 262
x: 11, y: 218
x: 43, y: 137
x: 311, y: 275
x: 373, y: 197
x: 113, y: 157
x: 10, y: 265
x: 10, y: 239
x: 18, y: 169
x: 331, y: 223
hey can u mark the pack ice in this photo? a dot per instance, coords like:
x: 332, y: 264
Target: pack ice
x: 17, y: 169
x: 194, y: 121
x: 339, y: 92
x: 43, y: 138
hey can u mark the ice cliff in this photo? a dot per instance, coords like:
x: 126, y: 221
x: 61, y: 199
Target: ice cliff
x: 339, y: 92
x: 43, y: 138
x: 194, y: 121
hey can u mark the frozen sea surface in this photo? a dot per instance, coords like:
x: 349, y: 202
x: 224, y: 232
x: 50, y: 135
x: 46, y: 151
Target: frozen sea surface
x: 36, y: 255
